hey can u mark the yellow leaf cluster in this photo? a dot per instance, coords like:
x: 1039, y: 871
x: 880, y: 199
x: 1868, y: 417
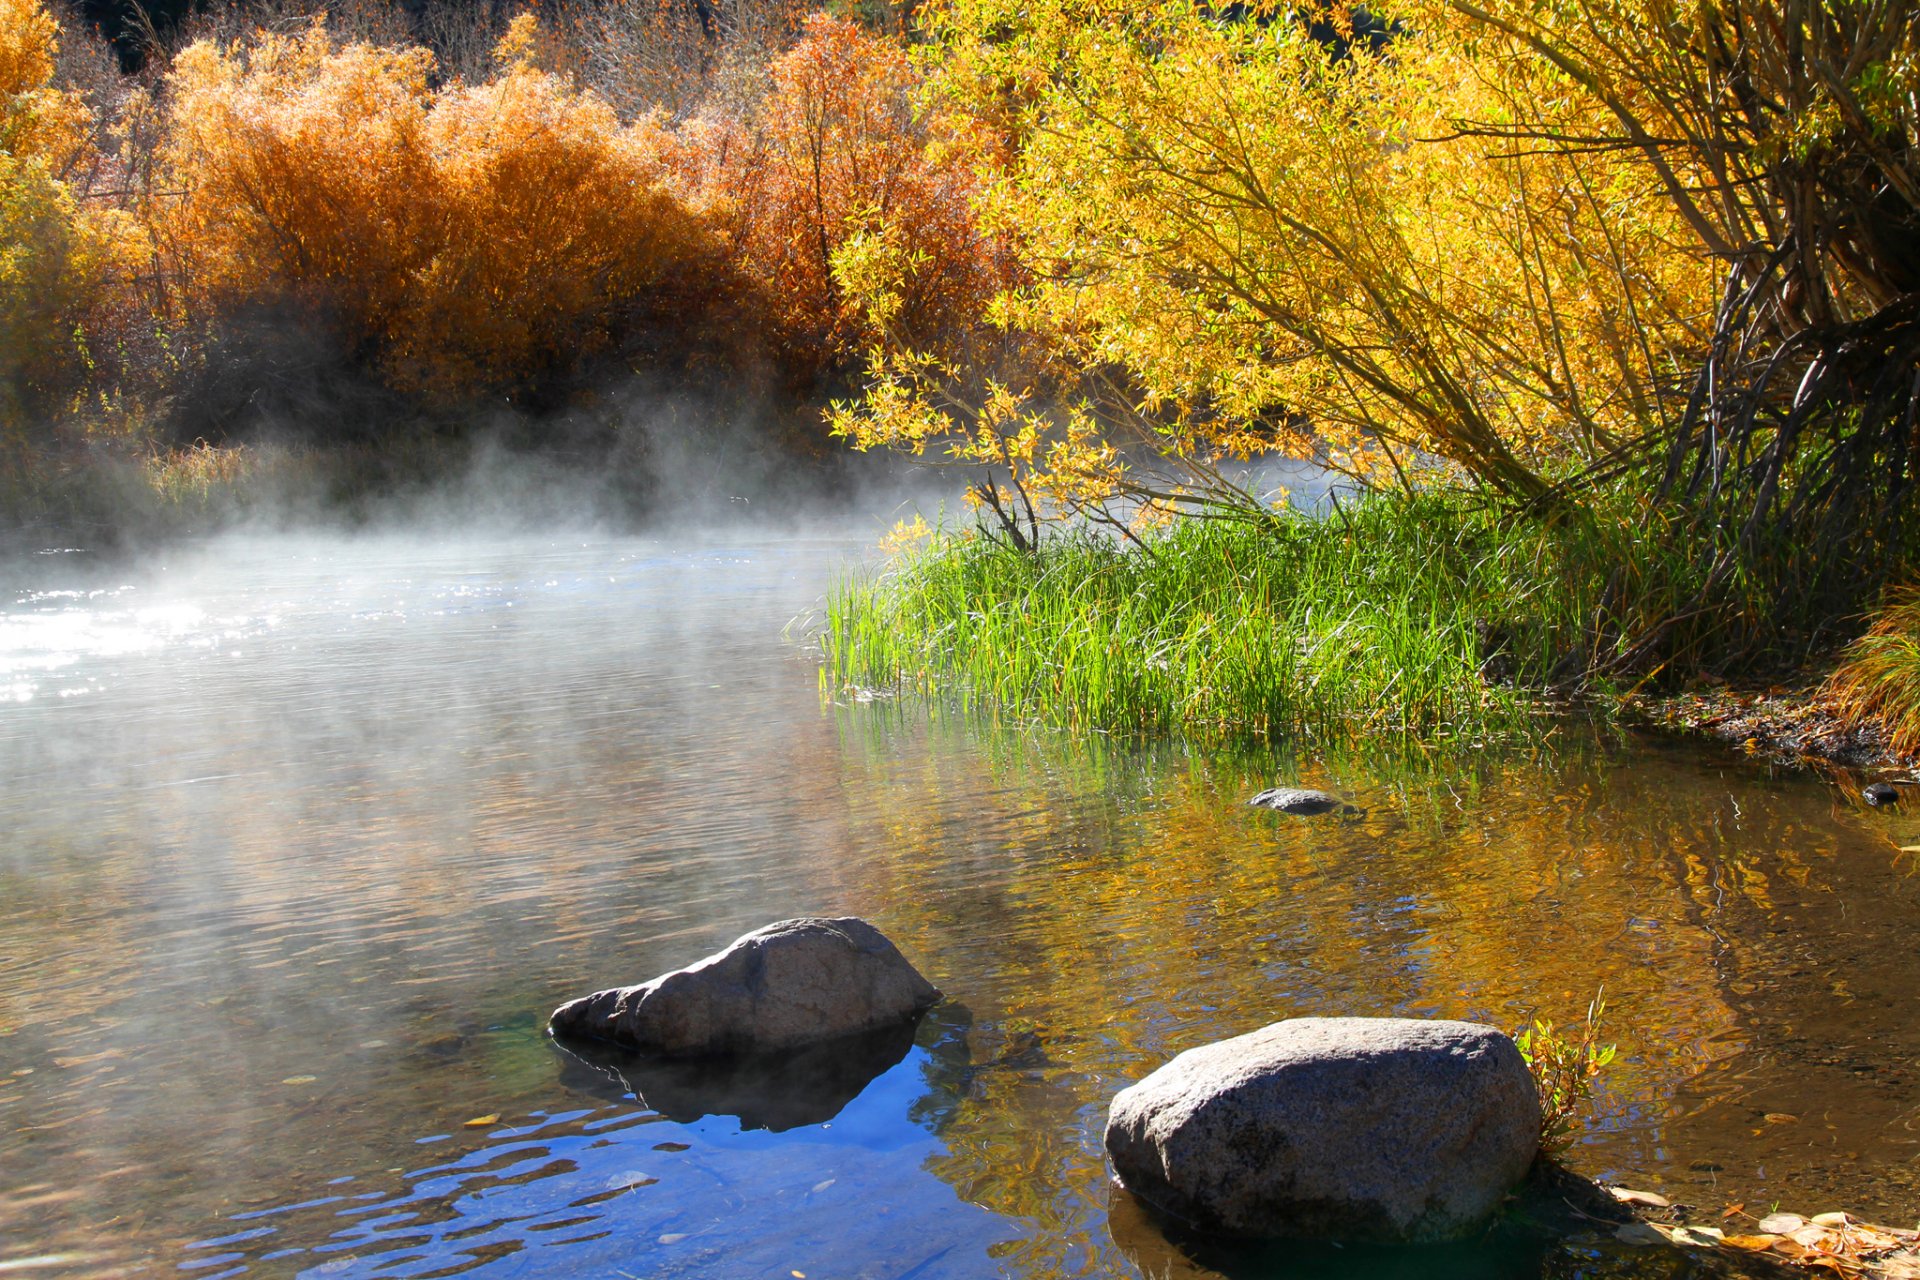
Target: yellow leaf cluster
x: 55, y: 256
x: 1291, y: 250
x: 457, y: 238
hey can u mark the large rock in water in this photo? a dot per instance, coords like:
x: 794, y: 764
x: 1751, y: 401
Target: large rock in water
x: 1301, y: 801
x: 1363, y: 1129
x: 786, y: 984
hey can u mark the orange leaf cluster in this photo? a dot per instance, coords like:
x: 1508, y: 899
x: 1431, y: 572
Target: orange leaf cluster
x: 458, y: 239
x: 836, y: 150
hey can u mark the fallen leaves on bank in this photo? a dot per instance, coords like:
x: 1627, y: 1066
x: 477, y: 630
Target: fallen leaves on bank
x: 1837, y: 1243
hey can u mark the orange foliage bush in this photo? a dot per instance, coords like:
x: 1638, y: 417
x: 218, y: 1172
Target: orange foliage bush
x: 835, y: 150
x: 457, y: 240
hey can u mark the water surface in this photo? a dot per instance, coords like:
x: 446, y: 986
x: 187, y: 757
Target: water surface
x: 306, y: 836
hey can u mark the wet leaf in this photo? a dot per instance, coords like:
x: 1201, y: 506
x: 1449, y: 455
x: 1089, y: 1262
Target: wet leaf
x: 1780, y: 1224
x: 481, y: 1122
x: 1733, y: 1209
x: 1698, y: 1235
x: 672, y: 1146
x: 1756, y: 1244
x: 1627, y: 1195
x: 1811, y: 1236
x: 1781, y: 1117
x: 1830, y: 1220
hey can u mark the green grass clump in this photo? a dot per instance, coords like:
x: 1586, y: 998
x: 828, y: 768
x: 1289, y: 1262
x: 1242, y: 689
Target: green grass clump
x: 1418, y: 615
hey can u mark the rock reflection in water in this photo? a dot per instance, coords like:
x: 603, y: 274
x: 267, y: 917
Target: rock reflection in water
x: 781, y: 1091
x: 1556, y: 1227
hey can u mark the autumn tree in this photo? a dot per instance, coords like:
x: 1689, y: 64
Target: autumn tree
x: 1272, y: 246
x: 834, y: 150
x: 1785, y: 137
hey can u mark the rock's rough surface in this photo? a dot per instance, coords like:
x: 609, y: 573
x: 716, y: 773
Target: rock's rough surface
x: 790, y: 983
x: 1301, y: 801
x: 1365, y: 1129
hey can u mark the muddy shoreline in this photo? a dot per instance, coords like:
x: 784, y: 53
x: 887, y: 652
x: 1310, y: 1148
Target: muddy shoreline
x: 1794, y: 723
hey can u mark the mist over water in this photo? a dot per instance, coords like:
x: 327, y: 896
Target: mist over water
x: 308, y: 831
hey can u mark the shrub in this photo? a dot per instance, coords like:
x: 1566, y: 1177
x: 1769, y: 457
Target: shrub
x: 456, y: 240
x: 1565, y: 1067
x: 833, y: 151
x: 56, y: 259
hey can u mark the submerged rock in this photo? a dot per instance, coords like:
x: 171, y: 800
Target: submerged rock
x: 789, y: 983
x: 1359, y: 1129
x: 1879, y: 793
x: 1301, y: 801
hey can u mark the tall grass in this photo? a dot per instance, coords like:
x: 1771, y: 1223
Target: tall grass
x: 1878, y: 678
x: 1394, y: 615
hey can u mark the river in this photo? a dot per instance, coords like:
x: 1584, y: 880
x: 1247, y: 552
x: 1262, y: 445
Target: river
x: 307, y: 834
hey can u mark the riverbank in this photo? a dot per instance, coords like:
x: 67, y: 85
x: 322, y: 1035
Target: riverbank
x: 1797, y: 722
x: 1833, y: 1242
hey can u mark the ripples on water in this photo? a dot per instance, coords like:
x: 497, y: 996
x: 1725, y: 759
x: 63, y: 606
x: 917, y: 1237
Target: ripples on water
x: 306, y: 837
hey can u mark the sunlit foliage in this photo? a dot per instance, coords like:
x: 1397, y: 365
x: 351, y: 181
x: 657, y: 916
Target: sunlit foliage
x: 1785, y: 137
x: 1566, y: 1066
x: 36, y: 119
x: 55, y: 257
x: 456, y: 239
x: 833, y: 151
x: 1288, y: 249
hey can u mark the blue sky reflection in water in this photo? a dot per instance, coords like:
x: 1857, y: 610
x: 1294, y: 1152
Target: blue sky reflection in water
x: 623, y: 1189
x: 309, y: 834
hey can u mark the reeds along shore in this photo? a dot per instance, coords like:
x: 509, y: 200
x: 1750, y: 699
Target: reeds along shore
x: 1430, y: 617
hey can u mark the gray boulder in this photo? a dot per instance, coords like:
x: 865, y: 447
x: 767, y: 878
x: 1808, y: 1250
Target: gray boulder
x: 1362, y: 1129
x: 1301, y: 801
x: 790, y: 983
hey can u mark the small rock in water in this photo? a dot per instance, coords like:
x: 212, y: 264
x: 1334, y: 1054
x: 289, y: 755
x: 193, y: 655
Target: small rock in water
x: 1363, y: 1129
x: 1301, y: 802
x: 1878, y: 793
x: 790, y: 983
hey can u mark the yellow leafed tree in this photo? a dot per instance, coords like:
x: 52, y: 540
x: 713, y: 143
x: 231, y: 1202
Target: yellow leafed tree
x: 1284, y: 248
x: 55, y: 258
